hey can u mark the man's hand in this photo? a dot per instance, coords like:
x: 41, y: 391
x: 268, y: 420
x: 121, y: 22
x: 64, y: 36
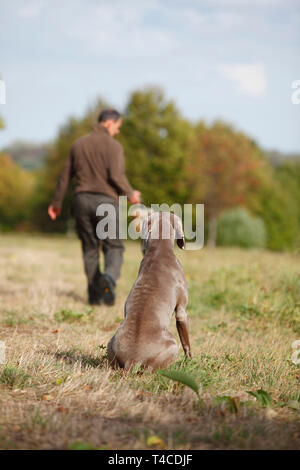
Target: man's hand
x: 53, y: 212
x: 135, y: 197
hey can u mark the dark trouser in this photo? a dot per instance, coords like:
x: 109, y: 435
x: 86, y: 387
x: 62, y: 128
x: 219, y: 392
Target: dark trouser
x: 84, y: 208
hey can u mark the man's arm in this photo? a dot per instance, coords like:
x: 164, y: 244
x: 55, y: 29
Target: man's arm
x: 61, y: 188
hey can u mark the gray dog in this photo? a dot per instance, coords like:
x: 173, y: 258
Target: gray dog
x: 159, y: 290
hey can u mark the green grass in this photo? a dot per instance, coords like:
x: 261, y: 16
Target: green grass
x: 11, y: 376
x: 58, y: 391
x: 13, y: 318
x: 66, y: 315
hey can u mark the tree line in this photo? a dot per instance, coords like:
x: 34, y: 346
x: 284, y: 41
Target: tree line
x: 248, y: 202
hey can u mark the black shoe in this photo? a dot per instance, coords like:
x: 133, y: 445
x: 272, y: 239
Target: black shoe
x: 107, y: 286
x: 95, y: 297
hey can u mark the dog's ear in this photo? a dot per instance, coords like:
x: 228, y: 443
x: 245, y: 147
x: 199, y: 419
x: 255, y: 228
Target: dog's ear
x: 140, y: 215
x: 179, y: 234
x: 146, y: 229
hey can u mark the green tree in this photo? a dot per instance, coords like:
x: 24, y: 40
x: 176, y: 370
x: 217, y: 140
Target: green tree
x: 224, y: 168
x: 156, y: 140
x: 288, y: 174
x: 278, y: 209
x: 278, y: 204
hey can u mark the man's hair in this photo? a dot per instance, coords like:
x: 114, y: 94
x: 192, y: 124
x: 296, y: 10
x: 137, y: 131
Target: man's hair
x: 108, y: 114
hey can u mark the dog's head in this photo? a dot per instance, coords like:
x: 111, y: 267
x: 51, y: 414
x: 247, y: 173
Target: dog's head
x: 162, y: 225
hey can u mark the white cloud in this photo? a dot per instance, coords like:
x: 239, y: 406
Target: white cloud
x: 250, y: 79
x: 248, y: 4
x: 31, y: 9
x: 118, y: 30
x: 209, y: 21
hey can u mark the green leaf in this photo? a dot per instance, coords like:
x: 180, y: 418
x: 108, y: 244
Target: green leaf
x: 263, y: 397
x: 182, y: 377
x: 81, y: 446
x: 155, y: 441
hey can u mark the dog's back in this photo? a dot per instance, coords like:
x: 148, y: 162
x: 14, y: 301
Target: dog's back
x: 143, y: 336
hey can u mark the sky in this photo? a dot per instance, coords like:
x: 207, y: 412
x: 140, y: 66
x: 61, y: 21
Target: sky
x: 234, y: 60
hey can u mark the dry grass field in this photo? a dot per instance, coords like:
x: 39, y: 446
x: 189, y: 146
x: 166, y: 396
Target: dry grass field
x: 58, y: 392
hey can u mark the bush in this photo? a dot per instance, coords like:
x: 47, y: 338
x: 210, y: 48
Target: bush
x: 15, y: 193
x: 237, y: 227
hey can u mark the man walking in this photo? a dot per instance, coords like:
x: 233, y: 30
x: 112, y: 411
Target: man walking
x: 97, y: 162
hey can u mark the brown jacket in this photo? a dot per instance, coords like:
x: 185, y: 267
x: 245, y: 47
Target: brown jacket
x: 97, y: 161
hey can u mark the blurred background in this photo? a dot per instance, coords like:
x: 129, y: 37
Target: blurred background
x: 205, y: 88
